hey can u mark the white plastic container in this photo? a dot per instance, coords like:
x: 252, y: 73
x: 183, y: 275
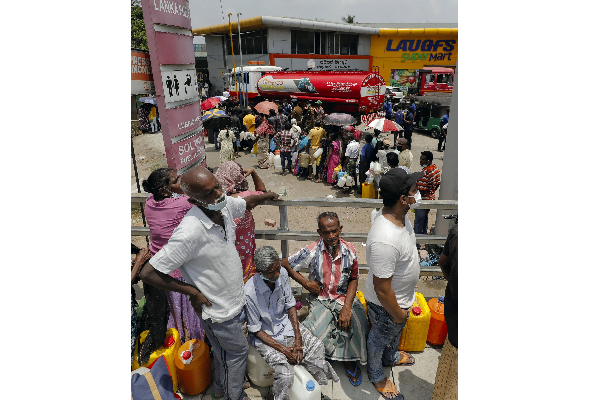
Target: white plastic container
x: 304, y: 387
x: 342, y: 181
x: 259, y: 372
x: 318, y: 152
x: 277, y: 161
x: 377, y: 168
x: 271, y: 158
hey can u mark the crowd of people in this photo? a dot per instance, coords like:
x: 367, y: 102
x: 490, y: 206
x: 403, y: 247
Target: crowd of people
x: 311, y: 149
x: 204, y: 271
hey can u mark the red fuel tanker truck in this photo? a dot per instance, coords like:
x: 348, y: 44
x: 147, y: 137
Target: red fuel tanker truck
x: 355, y: 92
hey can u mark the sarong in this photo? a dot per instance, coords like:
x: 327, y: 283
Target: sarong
x: 339, y: 345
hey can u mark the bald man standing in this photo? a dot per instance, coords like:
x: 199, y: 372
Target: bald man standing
x: 203, y: 248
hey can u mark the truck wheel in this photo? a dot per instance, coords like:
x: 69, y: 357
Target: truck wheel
x: 435, y: 133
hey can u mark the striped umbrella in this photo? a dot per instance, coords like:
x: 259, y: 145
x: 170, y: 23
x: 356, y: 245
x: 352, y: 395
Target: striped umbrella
x: 385, y: 125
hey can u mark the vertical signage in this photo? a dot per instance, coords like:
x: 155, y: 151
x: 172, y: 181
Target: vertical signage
x: 170, y: 41
x: 141, y: 73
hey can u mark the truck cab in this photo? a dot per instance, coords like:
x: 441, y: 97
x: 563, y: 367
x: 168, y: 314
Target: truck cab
x: 436, y: 79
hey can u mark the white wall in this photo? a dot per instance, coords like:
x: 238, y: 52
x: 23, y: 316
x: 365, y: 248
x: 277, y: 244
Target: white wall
x: 364, y: 45
x: 279, y: 40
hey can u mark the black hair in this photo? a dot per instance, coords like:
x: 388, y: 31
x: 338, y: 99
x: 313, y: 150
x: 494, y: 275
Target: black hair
x: 158, y: 179
x: 280, y: 108
x: 368, y: 138
x: 428, y: 155
x: 392, y: 159
x: 390, y: 199
x: 271, y: 112
x: 287, y: 126
x: 329, y: 214
x: 376, y: 132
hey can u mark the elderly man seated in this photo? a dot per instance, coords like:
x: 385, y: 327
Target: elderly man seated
x: 336, y: 317
x: 274, y: 329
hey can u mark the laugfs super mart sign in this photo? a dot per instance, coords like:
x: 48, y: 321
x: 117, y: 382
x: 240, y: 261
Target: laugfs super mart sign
x: 170, y: 41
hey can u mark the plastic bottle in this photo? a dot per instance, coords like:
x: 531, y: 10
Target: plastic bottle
x: 414, y: 334
x: 368, y: 190
x: 169, y: 349
x: 304, y: 386
x: 192, y: 365
x: 259, y: 372
x: 437, y: 326
x: 277, y: 161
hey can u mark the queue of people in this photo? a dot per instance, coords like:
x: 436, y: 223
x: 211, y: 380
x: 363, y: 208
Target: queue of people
x: 204, y: 272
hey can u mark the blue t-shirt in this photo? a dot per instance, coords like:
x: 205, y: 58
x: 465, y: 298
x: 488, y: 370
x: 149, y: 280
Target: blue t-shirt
x: 388, y: 108
x: 399, y: 117
x: 408, y: 125
x: 413, y: 107
x: 445, y: 119
x: 365, y: 152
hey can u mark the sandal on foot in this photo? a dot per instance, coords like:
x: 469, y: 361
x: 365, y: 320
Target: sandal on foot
x: 406, y: 360
x: 383, y: 390
x: 353, y: 375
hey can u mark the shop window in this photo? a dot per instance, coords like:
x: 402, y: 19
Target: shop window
x: 253, y: 42
x: 302, y: 42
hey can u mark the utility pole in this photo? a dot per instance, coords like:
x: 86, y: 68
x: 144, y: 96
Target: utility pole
x: 449, y: 183
x: 232, y: 53
x: 241, y: 58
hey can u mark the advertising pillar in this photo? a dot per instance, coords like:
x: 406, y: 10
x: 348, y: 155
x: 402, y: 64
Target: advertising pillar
x: 170, y: 41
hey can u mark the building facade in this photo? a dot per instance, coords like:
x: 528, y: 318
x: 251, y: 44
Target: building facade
x: 397, y: 50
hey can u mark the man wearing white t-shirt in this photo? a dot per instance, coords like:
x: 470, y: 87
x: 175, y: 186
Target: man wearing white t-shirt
x: 203, y: 248
x: 393, y: 262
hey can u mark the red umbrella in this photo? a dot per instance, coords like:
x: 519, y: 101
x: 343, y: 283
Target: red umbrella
x: 264, y: 106
x: 385, y: 125
x: 209, y: 103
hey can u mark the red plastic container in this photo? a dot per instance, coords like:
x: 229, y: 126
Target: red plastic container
x: 438, y: 331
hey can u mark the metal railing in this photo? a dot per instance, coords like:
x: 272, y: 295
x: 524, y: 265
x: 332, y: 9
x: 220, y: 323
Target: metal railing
x: 283, y: 234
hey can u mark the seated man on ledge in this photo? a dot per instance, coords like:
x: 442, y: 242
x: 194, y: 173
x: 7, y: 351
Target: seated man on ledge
x: 336, y: 317
x: 274, y: 329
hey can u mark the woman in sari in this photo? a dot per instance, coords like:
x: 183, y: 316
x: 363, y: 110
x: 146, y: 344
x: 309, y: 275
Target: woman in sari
x: 262, y: 144
x: 232, y: 178
x: 334, y: 158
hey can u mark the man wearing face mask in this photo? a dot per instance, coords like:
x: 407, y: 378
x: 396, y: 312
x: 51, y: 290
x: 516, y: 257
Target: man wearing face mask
x: 203, y: 248
x: 427, y: 187
x: 394, y: 270
x: 335, y: 315
x: 274, y: 329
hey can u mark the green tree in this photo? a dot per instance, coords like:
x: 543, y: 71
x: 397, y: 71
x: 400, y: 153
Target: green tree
x: 349, y: 19
x: 138, y: 28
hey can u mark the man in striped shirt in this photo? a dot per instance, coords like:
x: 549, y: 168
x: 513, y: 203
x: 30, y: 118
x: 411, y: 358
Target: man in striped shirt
x: 427, y: 186
x: 285, y: 139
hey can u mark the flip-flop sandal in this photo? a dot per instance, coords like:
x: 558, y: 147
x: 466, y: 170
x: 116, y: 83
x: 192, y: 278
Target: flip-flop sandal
x: 383, y: 390
x: 356, y: 371
x: 215, y: 396
x: 406, y: 360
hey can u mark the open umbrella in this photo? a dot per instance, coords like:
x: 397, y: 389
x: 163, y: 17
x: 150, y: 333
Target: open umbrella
x: 209, y: 103
x: 385, y: 125
x: 214, y: 117
x: 339, y: 119
x: 264, y: 106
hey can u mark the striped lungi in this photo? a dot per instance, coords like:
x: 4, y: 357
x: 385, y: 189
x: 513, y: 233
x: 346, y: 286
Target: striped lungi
x: 313, y: 360
x: 339, y: 345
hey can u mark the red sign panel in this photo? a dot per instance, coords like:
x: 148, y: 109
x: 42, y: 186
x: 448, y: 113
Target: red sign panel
x: 173, y: 47
x: 182, y: 120
x: 169, y: 12
x: 188, y: 151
